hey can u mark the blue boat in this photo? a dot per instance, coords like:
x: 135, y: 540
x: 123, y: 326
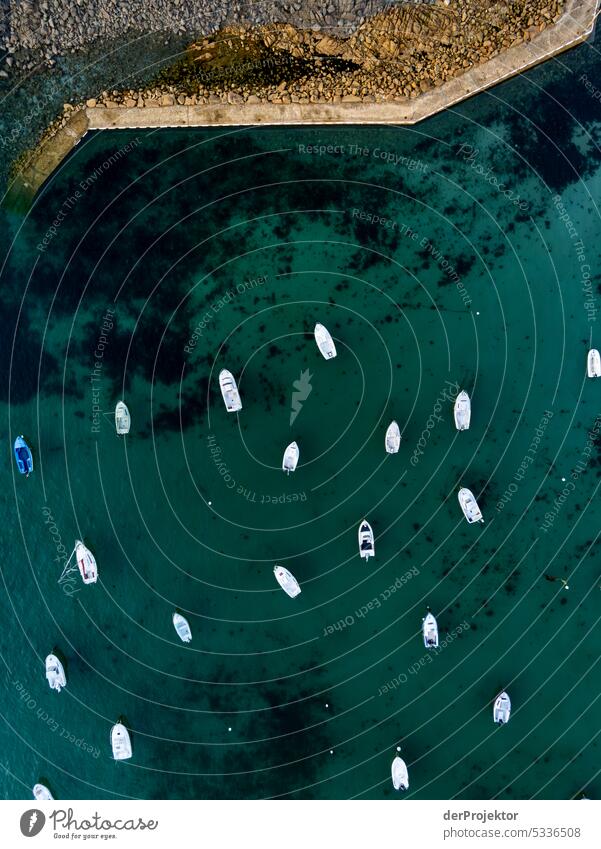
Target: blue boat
x: 23, y: 456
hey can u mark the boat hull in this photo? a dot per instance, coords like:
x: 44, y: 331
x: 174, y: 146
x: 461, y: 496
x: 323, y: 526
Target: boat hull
x: 392, y: 440
x: 55, y: 673
x: 122, y: 419
x: 23, y: 456
x: 430, y: 632
x: 120, y: 742
x: 462, y: 411
x: 42, y: 793
x: 182, y: 627
x: 502, y: 709
x: 367, y: 546
x: 324, y: 341
x: 86, y: 563
x: 229, y: 391
x: 469, y: 505
x: 291, y: 455
x: 593, y: 363
x: 400, y: 774
x: 287, y: 581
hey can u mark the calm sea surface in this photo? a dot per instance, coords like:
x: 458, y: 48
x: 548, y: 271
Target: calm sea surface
x: 460, y: 253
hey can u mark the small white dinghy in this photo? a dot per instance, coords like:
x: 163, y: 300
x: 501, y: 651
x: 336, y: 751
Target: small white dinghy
x: 392, y: 440
x: 325, y: 343
x: 430, y: 632
x: 287, y: 581
x: 182, y: 626
x: 593, y: 363
x: 41, y: 793
x: 86, y: 563
x: 469, y: 505
x: 367, y: 548
x: 55, y: 673
x: 462, y: 411
x: 502, y: 709
x: 291, y: 455
x: 400, y: 775
x: 122, y: 418
x: 229, y: 391
x: 120, y: 741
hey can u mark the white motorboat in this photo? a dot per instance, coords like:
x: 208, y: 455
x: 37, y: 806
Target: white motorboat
x: 41, y: 793
x: 502, y: 709
x: 430, y: 632
x: 229, y: 390
x: 392, y: 440
x: 86, y: 563
x: 287, y: 581
x: 122, y: 418
x: 400, y: 775
x: 462, y: 411
x: 325, y: 343
x: 182, y: 626
x: 367, y: 548
x: 469, y: 505
x: 291, y: 455
x: 120, y: 742
x: 55, y: 673
x: 593, y: 363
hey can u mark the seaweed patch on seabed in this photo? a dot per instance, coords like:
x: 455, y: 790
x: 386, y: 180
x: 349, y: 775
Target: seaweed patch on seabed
x: 587, y: 453
x: 293, y: 756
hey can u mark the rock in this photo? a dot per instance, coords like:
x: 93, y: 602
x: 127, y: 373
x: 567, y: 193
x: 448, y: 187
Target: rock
x: 91, y: 103
x: 329, y: 46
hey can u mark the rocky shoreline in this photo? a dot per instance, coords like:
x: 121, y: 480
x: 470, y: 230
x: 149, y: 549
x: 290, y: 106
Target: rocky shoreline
x: 404, y: 52
x: 397, y: 54
x: 34, y: 32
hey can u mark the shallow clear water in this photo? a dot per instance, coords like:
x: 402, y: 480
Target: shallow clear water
x: 434, y: 267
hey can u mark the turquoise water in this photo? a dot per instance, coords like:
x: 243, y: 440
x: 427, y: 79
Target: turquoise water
x: 435, y: 267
